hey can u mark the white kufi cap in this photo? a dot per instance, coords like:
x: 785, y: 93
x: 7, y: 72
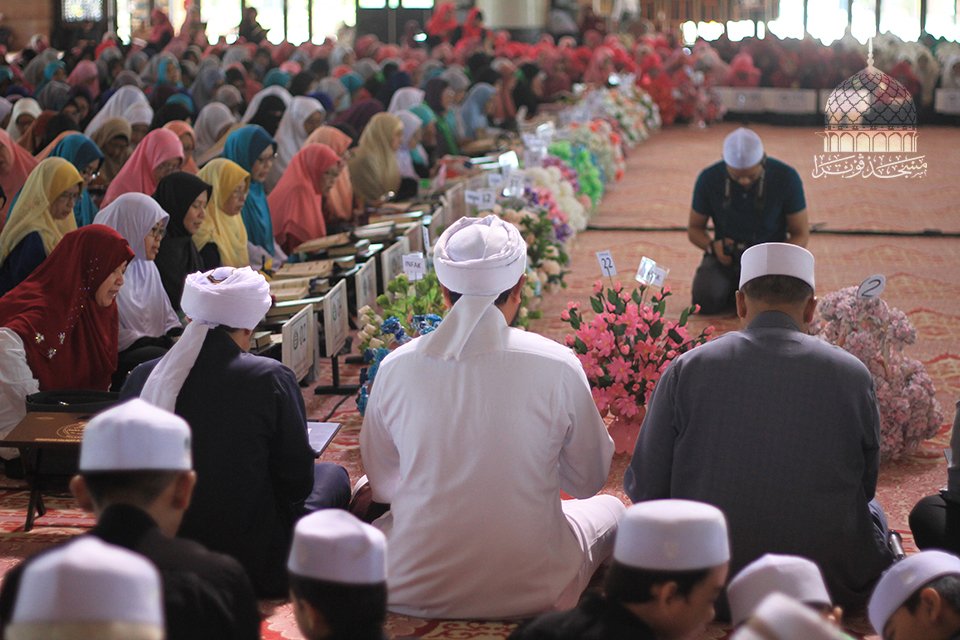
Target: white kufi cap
x: 672, y: 535
x: 335, y: 546
x: 904, y: 579
x: 794, y: 576
x: 780, y: 617
x: 742, y: 149
x: 777, y: 259
x: 136, y: 436
x: 88, y: 580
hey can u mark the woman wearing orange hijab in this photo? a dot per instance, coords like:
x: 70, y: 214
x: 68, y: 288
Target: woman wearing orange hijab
x: 189, y: 140
x: 15, y: 165
x: 338, y: 206
x: 296, y: 204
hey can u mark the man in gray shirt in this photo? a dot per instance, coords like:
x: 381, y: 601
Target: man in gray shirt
x: 778, y: 429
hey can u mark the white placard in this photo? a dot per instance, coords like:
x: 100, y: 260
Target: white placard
x: 495, y: 180
x: 488, y: 198
x: 298, y: 335
x: 414, y: 238
x: 650, y: 273
x: 509, y: 161
x: 531, y: 140
x: 514, y: 186
x: 472, y: 197
x: 872, y: 287
x: 415, y: 265
x: 456, y: 207
x: 425, y: 230
x: 607, y: 267
x: 391, y: 261
x: 336, y: 324
x: 365, y: 281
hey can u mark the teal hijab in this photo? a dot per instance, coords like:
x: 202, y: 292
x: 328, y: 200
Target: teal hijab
x: 276, y: 77
x: 162, y: 73
x: 80, y: 151
x: 244, y: 146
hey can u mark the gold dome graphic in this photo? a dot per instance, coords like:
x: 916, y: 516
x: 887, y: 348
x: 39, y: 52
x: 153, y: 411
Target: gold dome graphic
x: 870, y: 112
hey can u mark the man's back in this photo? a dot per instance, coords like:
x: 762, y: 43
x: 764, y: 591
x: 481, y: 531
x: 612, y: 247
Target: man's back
x: 780, y: 430
x: 472, y: 455
x: 250, y: 450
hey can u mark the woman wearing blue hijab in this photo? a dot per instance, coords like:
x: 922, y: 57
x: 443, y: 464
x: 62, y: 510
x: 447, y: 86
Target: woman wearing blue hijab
x: 50, y: 73
x: 276, y: 77
x: 85, y: 155
x: 254, y: 149
x: 474, y: 109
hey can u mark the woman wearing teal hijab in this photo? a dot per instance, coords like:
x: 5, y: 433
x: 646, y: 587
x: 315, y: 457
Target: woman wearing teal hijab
x: 254, y: 149
x: 50, y: 74
x: 169, y: 73
x: 276, y: 77
x: 85, y: 155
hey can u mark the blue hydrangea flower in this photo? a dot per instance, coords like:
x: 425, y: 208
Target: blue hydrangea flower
x: 392, y: 325
x: 426, y: 323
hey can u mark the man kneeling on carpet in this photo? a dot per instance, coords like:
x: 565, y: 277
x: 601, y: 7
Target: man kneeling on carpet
x: 670, y: 563
x: 918, y: 599
x: 338, y: 577
x: 135, y: 475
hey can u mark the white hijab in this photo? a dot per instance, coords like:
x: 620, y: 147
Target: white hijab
x: 20, y: 107
x: 411, y: 124
x: 291, y: 136
x: 117, y: 106
x: 212, y: 119
x: 144, y: 306
x: 405, y: 99
x: 228, y: 296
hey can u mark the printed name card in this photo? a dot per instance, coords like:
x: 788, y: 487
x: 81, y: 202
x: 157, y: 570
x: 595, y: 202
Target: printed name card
x: 495, y: 180
x: 336, y: 322
x: 366, y: 279
x: 514, y: 186
x: 606, y: 263
x: 872, y: 287
x: 650, y: 273
x: 415, y: 265
x: 297, y: 350
x: 482, y: 199
x: 391, y: 262
x: 425, y: 229
x: 472, y: 196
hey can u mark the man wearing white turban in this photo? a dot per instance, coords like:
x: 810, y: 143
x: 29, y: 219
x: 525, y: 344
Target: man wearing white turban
x: 470, y: 435
x: 751, y: 199
x: 256, y: 470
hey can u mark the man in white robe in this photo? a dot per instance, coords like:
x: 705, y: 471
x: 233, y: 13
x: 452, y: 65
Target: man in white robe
x: 470, y: 435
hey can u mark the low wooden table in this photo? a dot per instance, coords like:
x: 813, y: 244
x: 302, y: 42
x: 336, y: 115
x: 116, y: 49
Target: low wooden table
x: 41, y: 430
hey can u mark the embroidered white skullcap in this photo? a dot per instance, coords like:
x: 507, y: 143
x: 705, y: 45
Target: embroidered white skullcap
x: 136, y: 436
x: 88, y: 580
x: 780, y: 617
x: 742, y: 149
x: 672, y: 535
x: 794, y: 576
x: 777, y: 259
x: 335, y: 546
x: 904, y: 579
x: 479, y: 258
x: 228, y: 296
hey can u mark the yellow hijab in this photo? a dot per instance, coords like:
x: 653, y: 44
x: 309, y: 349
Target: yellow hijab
x: 228, y: 232
x: 31, y: 213
x: 374, y: 169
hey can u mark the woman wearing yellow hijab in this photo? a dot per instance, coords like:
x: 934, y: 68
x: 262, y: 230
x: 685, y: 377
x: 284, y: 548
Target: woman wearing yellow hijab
x: 42, y: 214
x: 374, y: 169
x: 222, y: 238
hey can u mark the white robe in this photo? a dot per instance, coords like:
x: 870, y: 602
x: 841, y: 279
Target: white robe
x: 472, y: 455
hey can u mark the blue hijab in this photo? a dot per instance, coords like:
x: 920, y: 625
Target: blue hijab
x: 244, y: 146
x: 474, y: 109
x: 162, y: 73
x: 276, y: 77
x: 48, y: 72
x: 80, y: 151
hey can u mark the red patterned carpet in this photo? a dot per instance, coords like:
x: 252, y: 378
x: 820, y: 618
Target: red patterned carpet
x: 922, y: 279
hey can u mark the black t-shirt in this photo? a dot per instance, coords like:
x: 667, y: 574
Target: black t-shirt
x: 737, y: 217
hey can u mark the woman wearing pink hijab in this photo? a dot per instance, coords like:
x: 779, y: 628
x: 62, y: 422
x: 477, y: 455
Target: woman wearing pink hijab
x: 159, y: 153
x: 338, y: 206
x: 85, y: 74
x: 296, y: 204
x: 16, y: 163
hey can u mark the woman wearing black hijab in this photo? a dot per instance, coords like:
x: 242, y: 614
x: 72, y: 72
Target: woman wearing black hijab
x: 301, y: 83
x: 269, y: 113
x: 439, y: 97
x: 184, y: 196
x: 170, y: 112
x: 529, y: 88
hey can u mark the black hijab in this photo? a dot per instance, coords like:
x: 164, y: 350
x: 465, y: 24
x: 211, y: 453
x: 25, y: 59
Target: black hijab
x: 269, y: 113
x: 523, y: 94
x: 433, y: 95
x: 170, y: 112
x: 178, y: 255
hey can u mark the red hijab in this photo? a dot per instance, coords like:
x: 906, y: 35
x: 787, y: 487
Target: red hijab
x: 70, y: 340
x: 296, y: 204
x: 17, y: 164
x: 157, y: 147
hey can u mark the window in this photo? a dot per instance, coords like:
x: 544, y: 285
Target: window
x: 942, y: 19
x: 329, y: 14
x: 901, y: 18
x: 78, y: 10
x: 864, y: 24
x: 827, y: 19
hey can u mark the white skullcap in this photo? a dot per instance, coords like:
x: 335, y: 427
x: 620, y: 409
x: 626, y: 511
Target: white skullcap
x: 479, y: 258
x: 136, y: 436
x: 777, y: 259
x: 904, y: 579
x: 672, y: 535
x: 794, y: 576
x: 742, y: 149
x: 780, y: 617
x: 237, y: 298
x: 88, y: 580
x: 335, y: 546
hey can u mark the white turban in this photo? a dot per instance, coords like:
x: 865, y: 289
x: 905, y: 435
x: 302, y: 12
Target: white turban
x: 479, y: 258
x: 227, y: 296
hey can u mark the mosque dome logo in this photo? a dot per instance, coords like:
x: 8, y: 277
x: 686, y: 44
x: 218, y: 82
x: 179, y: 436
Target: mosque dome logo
x: 870, y: 130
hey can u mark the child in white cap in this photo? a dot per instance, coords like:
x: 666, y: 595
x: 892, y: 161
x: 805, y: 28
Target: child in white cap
x: 88, y: 590
x: 670, y: 563
x: 792, y: 576
x: 779, y: 617
x: 338, y: 577
x: 918, y: 599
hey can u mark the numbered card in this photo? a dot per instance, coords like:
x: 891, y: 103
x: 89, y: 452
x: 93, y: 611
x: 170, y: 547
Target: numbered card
x: 472, y: 197
x: 366, y: 282
x: 872, y: 287
x: 488, y: 198
x: 391, y: 263
x: 298, y: 335
x: 606, y: 263
x: 415, y: 265
x: 650, y: 273
x: 425, y: 229
x: 336, y: 324
x: 495, y: 180
x: 514, y: 186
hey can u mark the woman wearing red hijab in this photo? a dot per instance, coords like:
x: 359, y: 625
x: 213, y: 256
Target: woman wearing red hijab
x: 442, y: 22
x: 159, y: 154
x: 15, y: 165
x: 296, y: 203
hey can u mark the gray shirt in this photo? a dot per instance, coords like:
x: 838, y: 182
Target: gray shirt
x: 781, y: 431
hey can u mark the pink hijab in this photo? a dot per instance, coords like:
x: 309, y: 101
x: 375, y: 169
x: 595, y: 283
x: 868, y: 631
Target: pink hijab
x: 85, y: 74
x: 340, y: 201
x: 157, y: 147
x: 180, y: 127
x: 17, y: 163
x: 296, y: 204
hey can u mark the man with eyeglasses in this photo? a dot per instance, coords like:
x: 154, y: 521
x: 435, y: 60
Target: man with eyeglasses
x: 751, y: 199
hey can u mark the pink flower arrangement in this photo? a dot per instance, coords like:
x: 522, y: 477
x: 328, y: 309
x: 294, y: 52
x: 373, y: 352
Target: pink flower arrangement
x: 877, y: 334
x: 627, y: 345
